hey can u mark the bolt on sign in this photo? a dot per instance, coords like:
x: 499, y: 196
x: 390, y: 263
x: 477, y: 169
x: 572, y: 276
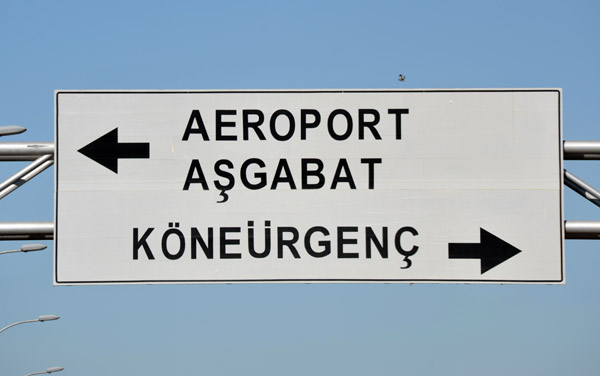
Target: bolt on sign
x: 309, y: 186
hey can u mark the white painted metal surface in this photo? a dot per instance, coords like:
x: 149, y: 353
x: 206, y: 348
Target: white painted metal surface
x: 399, y: 186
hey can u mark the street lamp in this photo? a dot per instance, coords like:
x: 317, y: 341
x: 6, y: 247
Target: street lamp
x: 42, y: 318
x: 49, y: 370
x: 26, y: 248
x: 8, y: 130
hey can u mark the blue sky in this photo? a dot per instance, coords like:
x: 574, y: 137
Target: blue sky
x: 296, y: 329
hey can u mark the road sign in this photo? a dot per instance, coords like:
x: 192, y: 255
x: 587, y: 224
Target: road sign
x: 309, y: 186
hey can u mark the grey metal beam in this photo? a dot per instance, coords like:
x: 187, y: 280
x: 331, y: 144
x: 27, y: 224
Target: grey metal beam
x: 28, y: 151
x: 26, y: 174
x: 25, y: 151
x: 45, y: 230
x: 581, y: 150
x: 581, y: 187
x: 26, y: 231
x: 572, y: 150
x: 582, y: 229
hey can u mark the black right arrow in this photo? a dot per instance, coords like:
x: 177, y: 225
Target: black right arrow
x: 492, y: 251
x: 107, y: 150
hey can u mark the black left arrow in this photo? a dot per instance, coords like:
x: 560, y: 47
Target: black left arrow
x: 491, y: 250
x: 107, y: 150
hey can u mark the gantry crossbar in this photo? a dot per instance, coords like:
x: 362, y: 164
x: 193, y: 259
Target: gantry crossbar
x: 42, y: 156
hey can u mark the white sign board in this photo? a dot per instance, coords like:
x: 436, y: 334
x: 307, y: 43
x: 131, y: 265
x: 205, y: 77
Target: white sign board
x: 309, y: 186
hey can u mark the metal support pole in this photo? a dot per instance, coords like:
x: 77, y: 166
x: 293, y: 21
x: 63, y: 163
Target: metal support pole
x: 27, y: 231
x: 18, y: 151
x: 581, y: 150
x: 24, y: 151
x: 582, y: 229
x: 42, y: 318
x: 26, y: 174
x: 582, y: 188
x: 17, y: 323
x: 42, y: 153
